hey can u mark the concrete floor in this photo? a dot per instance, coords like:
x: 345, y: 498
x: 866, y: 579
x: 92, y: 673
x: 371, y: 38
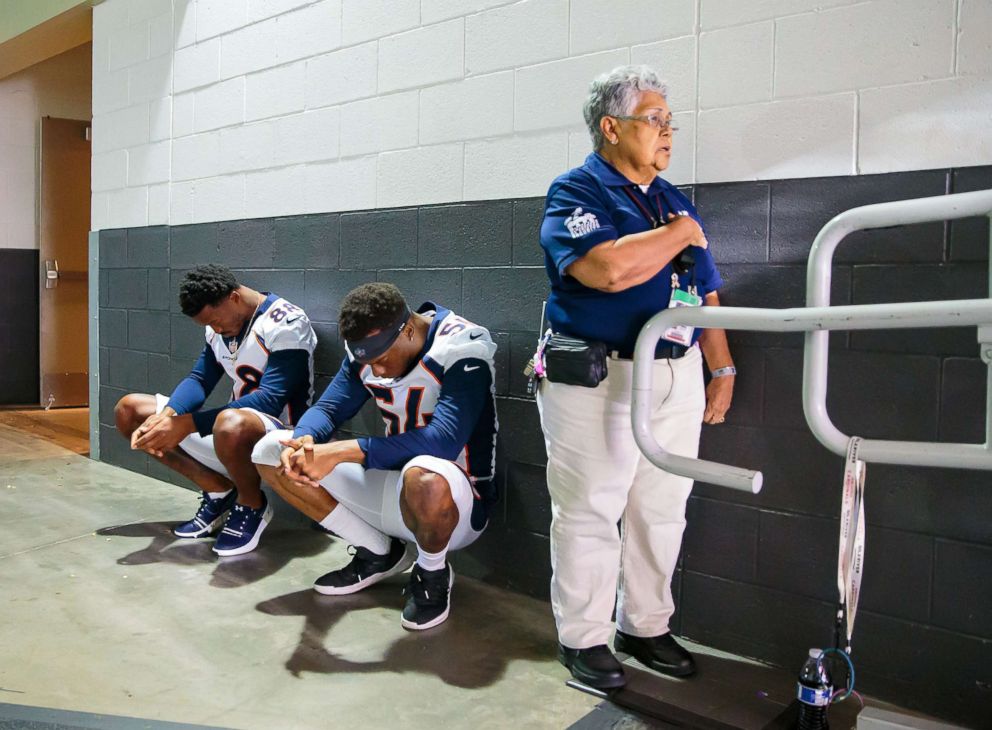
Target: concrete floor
x: 104, y: 612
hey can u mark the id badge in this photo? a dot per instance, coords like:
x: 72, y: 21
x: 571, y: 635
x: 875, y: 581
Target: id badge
x: 681, y: 334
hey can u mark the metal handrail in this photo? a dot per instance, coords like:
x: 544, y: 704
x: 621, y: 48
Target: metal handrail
x: 816, y: 320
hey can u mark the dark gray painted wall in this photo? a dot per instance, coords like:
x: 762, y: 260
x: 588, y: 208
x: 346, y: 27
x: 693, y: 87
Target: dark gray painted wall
x: 757, y: 574
x: 19, y: 376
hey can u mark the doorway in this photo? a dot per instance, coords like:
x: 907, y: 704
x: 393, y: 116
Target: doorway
x: 64, y: 224
x: 45, y: 107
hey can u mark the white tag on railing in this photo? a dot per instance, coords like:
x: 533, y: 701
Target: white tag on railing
x: 851, y: 545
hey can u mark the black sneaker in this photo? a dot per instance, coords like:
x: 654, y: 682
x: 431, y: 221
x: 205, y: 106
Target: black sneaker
x: 365, y: 569
x: 429, y: 598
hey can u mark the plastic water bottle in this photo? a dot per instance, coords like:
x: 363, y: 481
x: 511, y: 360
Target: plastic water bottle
x: 814, y: 690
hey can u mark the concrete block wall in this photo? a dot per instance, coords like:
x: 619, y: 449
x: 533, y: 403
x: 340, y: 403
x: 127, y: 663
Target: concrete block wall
x: 207, y: 110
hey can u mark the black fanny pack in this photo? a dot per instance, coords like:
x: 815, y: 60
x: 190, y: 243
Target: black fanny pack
x: 572, y: 361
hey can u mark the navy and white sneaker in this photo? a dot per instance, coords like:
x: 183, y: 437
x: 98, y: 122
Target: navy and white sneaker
x: 208, y: 518
x: 365, y: 569
x: 429, y: 598
x: 243, y: 529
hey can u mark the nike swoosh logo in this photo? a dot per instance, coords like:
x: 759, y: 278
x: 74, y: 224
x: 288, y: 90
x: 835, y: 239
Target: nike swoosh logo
x: 290, y: 320
x: 470, y: 369
x: 475, y: 335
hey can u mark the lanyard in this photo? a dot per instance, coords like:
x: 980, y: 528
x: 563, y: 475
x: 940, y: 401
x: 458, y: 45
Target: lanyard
x: 657, y: 222
x: 851, y: 545
x: 654, y: 221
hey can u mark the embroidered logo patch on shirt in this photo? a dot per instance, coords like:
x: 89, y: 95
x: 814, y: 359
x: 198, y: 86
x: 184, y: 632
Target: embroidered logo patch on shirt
x: 579, y: 223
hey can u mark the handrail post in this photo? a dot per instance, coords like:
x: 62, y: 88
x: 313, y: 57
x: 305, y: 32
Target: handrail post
x: 985, y: 343
x: 818, y: 277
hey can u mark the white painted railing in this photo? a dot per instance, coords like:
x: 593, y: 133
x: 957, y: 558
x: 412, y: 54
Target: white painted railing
x: 816, y: 320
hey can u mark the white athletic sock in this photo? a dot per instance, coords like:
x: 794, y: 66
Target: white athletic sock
x: 349, y: 526
x: 219, y: 495
x: 431, y: 561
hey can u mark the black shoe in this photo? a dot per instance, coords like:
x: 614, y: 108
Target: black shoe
x: 595, y: 666
x: 660, y: 653
x: 365, y: 569
x: 429, y: 597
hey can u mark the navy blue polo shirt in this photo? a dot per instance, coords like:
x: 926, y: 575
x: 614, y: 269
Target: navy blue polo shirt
x: 592, y: 204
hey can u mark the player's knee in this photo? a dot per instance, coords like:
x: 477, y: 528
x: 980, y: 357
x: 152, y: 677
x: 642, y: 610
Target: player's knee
x: 126, y: 414
x: 267, y: 449
x: 426, y: 493
x: 234, y: 430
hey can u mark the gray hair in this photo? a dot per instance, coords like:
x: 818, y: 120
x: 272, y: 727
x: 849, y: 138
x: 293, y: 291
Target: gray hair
x: 615, y: 94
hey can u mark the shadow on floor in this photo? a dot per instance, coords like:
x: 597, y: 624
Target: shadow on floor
x: 470, y: 650
x: 278, y: 548
x: 476, y: 621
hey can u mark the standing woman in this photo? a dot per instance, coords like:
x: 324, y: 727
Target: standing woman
x: 619, y: 244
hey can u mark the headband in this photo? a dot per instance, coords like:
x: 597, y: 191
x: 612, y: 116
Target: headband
x: 371, y: 347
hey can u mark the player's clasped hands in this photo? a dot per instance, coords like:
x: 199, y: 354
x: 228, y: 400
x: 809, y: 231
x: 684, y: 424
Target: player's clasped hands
x: 304, y: 463
x: 159, y: 433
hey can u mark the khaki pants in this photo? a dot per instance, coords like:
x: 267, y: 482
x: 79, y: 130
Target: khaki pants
x: 597, y: 476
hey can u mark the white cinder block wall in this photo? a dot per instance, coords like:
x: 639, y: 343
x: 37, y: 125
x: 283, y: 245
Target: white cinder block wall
x: 218, y: 109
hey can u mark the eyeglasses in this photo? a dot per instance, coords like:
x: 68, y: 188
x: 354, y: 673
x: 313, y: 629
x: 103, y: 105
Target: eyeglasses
x: 657, y: 121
